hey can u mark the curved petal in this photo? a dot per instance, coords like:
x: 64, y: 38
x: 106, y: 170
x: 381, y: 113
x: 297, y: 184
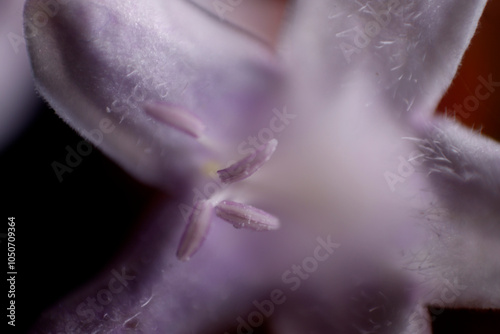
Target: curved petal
x: 17, y: 96
x: 150, y: 291
x: 98, y: 63
x: 398, y: 55
x: 463, y: 169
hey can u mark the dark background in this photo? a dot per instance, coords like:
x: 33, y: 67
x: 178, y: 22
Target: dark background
x: 65, y: 231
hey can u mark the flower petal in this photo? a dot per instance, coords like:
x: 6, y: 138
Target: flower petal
x: 17, y: 98
x: 105, y: 61
x: 398, y: 55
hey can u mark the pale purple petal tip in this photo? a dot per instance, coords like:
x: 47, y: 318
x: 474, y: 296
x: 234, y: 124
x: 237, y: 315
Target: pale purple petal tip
x: 176, y: 117
x: 246, y: 216
x: 196, y: 231
x: 248, y: 165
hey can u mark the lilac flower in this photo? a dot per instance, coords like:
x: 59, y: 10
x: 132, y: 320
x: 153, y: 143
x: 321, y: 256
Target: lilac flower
x: 368, y: 207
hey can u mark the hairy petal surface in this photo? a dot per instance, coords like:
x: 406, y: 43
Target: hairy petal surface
x: 401, y: 53
x: 463, y: 169
x: 362, y: 79
x: 103, y: 61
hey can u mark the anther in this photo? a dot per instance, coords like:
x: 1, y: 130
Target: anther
x: 176, y: 117
x: 246, y: 216
x: 196, y: 231
x: 248, y: 165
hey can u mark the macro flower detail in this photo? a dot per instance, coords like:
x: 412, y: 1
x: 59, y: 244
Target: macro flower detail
x: 246, y: 216
x: 237, y: 214
x: 188, y: 92
x: 176, y: 117
x: 199, y: 223
x: 250, y: 164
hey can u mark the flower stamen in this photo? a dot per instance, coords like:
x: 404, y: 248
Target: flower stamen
x: 246, y: 216
x: 176, y: 117
x: 198, y: 224
x: 248, y: 165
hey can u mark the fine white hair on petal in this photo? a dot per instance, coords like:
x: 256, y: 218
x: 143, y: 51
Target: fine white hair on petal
x: 460, y: 254
x: 97, y: 61
x: 401, y: 54
x: 464, y: 170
